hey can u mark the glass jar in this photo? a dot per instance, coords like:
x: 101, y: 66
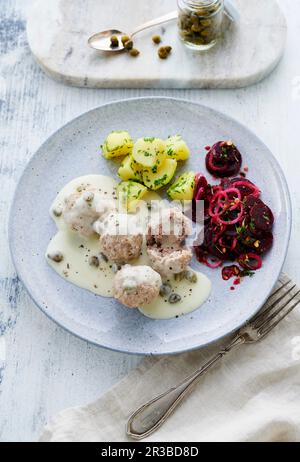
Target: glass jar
x: 200, y: 22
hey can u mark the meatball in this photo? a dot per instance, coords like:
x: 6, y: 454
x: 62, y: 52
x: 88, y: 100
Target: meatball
x: 165, y: 242
x: 82, y: 209
x: 121, y: 239
x: 135, y: 286
x: 169, y: 228
x: 168, y: 260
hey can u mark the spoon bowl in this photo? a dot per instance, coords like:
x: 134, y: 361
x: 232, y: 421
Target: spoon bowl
x: 101, y: 40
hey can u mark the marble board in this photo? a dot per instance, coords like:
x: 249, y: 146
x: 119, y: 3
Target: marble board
x: 58, y: 32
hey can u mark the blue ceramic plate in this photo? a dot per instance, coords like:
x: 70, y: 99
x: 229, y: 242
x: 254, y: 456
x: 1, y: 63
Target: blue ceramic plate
x: 74, y: 151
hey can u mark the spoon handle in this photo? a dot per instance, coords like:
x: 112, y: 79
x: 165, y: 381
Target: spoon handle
x: 155, y: 22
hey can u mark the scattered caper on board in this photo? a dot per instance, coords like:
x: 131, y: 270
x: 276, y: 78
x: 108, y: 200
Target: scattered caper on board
x: 156, y: 39
x: 134, y: 52
x: 163, y: 52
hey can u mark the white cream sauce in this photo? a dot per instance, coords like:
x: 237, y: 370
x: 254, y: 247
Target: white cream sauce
x: 78, y: 250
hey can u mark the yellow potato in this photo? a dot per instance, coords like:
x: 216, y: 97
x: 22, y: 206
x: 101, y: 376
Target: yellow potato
x: 177, y: 148
x: 117, y: 144
x: 183, y: 188
x: 149, y: 152
x: 156, y: 178
x: 130, y: 193
x: 127, y: 172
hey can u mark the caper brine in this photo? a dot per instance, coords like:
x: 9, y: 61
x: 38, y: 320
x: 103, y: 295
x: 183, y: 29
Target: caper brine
x: 200, y: 22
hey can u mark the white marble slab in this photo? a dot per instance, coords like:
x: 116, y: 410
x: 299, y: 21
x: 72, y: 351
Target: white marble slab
x: 58, y: 33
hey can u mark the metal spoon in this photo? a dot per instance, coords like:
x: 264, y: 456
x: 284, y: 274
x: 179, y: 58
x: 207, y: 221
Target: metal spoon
x: 101, y: 40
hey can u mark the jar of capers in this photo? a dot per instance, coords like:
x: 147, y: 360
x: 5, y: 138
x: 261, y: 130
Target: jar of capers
x: 200, y: 22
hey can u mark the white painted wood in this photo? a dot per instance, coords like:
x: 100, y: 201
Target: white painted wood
x: 46, y: 369
x: 58, y: 33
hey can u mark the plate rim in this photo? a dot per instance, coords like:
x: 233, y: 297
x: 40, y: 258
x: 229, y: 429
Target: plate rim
x: 289, y: 216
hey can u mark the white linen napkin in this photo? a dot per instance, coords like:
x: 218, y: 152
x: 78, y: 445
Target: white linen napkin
x: 252, y: 396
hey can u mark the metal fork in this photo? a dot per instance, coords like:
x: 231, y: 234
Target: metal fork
x: 149, y: 418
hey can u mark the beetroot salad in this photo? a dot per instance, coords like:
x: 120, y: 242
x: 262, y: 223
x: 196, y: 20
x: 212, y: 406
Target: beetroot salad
x: 238, y: 224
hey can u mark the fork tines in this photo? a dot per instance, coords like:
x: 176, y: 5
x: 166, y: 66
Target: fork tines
x: 285, y: 298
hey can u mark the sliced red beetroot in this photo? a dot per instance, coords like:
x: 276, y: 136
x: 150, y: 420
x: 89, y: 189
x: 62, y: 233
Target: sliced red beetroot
x: 250, y: 201
x: 245, y: 186
x: 250, y: 261
x: 224, y: 159
x: 263, y: 243
x: 229, y: 272
x: 262, y: 216
x: 200, y: 188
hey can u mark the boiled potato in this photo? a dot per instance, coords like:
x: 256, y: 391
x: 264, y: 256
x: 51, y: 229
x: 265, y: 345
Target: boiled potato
x: 183, y: 188
x: 159, y: 177
x: 117, y: 144
x: 177, y: 148
x: 130, y: 193
x: 127, y: 171
x: 137, y: 168
x: 149, y: 152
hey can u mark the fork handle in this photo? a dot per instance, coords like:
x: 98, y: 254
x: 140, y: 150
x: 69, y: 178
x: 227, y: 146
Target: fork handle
x: 150, y: 417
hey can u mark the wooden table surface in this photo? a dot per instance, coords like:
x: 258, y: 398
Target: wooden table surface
x: 43, y: 369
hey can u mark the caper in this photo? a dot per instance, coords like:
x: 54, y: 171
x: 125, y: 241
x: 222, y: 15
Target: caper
x: 191, y: 276
x: 88, y: 196
x: 57, y: 211
x: 104, y: 257
x: 128, y: 45
x: 94, y: 261
x: 179, y: 276
x: 174, y: 298
x: 134, y: 52
x: 115, y: 268
x: 163, y: 52
x: 165, y: 290
x: 200, y: 27
x: 124, y: 39
x: 56, y: 256
x: 196, y: 28
x: 156, y: 39
x: 114, y: 41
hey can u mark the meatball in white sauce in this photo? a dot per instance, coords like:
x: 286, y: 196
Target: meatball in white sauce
x: 121, y: 238
x: 82, y: 209
x: 165, y: 243
x: 135, y: 286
